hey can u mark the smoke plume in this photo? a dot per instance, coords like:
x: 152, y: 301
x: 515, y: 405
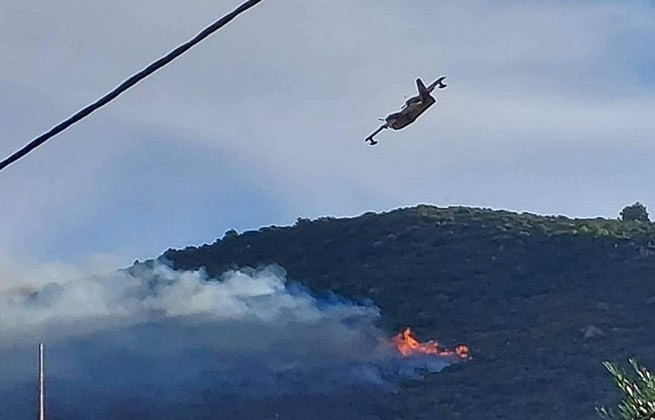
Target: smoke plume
x: 150, y: 341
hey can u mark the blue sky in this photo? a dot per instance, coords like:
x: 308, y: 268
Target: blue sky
x: 549, y: 109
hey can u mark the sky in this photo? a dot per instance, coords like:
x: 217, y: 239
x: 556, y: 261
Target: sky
x: 548, y: 110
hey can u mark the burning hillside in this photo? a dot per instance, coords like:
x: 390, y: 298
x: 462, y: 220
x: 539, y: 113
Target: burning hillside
x: 408, y: 345
x: 162, y: 339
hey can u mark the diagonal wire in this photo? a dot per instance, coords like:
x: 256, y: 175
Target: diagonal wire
x: 133, y: 80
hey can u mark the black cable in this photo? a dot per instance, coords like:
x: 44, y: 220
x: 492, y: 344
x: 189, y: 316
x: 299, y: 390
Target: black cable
x: 128, y: 83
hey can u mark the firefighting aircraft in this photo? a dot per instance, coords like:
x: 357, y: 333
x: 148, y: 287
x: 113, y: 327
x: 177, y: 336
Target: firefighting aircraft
x: 413, y: 108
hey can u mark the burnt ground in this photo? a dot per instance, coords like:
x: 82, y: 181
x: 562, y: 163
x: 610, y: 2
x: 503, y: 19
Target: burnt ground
x: 541, y: 301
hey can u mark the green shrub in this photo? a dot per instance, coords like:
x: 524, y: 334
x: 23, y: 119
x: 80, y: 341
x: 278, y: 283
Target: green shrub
x: 638, y: 394
x: 635, y: 212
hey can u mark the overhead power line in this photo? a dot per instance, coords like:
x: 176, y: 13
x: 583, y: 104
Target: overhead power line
x: 128, y: 83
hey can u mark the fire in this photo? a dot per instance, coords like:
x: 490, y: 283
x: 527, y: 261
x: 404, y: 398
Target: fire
x: 408, y: 345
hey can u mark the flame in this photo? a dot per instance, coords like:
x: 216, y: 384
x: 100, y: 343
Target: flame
x: 408, y: 345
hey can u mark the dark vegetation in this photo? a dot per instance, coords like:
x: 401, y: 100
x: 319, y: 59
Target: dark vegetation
x: 541, y: 301
x: 635, y: 212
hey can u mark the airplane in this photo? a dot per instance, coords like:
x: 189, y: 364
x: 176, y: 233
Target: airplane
x: 413, y: 108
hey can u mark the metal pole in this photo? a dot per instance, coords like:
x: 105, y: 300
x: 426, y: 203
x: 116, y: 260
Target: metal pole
x: 41, y: 384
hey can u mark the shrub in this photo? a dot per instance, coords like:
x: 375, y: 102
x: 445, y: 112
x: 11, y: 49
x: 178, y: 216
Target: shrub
x: 638, y: 394
x: 231, y: 233
x: 635, y: 212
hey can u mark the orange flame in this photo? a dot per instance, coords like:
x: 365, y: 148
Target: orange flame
x: 408, y: 345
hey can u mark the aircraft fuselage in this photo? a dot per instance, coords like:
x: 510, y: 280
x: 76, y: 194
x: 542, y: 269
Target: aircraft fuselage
x: 408, y: 115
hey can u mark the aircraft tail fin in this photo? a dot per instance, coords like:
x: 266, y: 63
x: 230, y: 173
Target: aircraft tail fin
x: 422, y: 90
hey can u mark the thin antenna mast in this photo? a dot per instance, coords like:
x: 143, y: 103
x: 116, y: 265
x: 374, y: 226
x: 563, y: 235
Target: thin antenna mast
x: 41, y: 384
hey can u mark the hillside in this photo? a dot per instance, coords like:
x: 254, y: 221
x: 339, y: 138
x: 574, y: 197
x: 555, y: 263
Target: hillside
x: 541, y: 301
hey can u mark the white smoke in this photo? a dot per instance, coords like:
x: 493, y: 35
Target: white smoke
x: 157, y: 292
x: 150, y: 333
